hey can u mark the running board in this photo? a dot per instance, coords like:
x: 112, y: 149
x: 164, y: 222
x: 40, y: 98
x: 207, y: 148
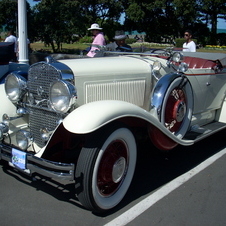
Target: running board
x: 198, y: 133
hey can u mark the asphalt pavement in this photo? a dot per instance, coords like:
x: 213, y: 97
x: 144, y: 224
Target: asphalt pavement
x: 198, y: 201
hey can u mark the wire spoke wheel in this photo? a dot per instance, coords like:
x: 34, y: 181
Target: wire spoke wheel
x: 177, y: 107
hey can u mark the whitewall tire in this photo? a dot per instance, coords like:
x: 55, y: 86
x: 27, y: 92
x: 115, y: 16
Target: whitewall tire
x: 106, y: 171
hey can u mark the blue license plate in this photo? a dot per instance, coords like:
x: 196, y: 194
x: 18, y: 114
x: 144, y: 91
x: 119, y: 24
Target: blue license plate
x: 19, y: 158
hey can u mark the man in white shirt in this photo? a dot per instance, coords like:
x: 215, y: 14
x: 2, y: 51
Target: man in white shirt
x: 12, y: 38
x: 189, y: 45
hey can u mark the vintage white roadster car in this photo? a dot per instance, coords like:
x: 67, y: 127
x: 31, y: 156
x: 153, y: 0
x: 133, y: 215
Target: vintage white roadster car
x: 79, y: 119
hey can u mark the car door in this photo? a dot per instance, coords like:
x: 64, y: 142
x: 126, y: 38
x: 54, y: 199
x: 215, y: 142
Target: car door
x: 216, y: 88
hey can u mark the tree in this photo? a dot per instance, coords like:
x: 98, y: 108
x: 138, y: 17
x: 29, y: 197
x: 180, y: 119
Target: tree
x: 159, y: 18
x: 211, y: 11
x: 187, y: 14
x: 57, y: 20
x: 104, y: 12
x: 8, y: 15
x: 165, y: 18
x: 147, y: 16
x: 52, y: 20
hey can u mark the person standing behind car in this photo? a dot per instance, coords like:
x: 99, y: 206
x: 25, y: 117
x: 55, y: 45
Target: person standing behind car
x: 12, y: 38
x: 189, y: 45
x: 98, y: 40
x: 119, y: 44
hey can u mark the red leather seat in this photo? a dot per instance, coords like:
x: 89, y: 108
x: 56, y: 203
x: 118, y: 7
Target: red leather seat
x: 195, y: 62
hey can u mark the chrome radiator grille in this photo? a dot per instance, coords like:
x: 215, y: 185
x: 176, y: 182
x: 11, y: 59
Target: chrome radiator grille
x: 129, y: 91
x: 40, y: 76
x: 39, y: 119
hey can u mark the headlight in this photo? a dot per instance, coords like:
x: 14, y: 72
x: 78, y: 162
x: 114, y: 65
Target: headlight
x: 6, y: 119
x: 15, y: 86
x: 156, y: 66
x: 183, y: 67
x: 177, y: 57
x: 45, y: 134
x: 3, y: 129
x: 62, y: 96
x: 24, y: 139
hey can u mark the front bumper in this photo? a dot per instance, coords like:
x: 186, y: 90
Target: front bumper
x: 33, y: 164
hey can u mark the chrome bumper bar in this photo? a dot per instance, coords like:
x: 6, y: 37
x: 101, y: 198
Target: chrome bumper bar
x: 40, y: 166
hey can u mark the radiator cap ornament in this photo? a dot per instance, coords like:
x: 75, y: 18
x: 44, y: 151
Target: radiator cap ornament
x: 40, y: 91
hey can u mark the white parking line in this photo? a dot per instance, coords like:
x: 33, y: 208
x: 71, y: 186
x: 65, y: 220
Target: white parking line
x: 146, y: 203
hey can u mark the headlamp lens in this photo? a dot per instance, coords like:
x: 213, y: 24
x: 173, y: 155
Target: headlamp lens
x: 62, y: 96
x: 15, y: 86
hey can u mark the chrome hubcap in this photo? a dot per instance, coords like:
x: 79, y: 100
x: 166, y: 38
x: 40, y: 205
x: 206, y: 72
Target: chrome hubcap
x: 118, y: 169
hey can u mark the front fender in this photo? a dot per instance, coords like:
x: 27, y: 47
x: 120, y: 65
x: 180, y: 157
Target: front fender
x: 6, y: 106
x: 94, y: 115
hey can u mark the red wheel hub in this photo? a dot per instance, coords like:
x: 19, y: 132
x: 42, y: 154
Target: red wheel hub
x: 112, y: 168
x: 179, y: 110
x: 175, y: 110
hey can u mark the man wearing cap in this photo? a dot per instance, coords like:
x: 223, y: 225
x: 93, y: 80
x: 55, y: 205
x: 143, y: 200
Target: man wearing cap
x: 98, y: 40
x: 120, y: 43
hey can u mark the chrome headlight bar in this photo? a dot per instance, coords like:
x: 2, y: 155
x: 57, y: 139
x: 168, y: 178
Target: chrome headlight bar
x: 62, y: 94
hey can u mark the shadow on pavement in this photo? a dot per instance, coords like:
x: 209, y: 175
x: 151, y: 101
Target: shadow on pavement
x: 154, y: 169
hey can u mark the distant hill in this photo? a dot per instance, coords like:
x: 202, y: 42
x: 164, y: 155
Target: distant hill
x: 221, y: 31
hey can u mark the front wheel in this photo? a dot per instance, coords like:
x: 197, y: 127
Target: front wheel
x: 104, y: 172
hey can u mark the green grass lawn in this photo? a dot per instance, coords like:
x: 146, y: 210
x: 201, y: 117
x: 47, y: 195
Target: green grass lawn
x: 211, y: 50
x: 77, y: 47
x: 68, y: 48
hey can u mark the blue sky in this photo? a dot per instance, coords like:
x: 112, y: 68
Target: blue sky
x: 31, y: 2
x: 221, y: 22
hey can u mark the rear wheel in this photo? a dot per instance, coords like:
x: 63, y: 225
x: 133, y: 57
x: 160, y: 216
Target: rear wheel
x: 104, y: 172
